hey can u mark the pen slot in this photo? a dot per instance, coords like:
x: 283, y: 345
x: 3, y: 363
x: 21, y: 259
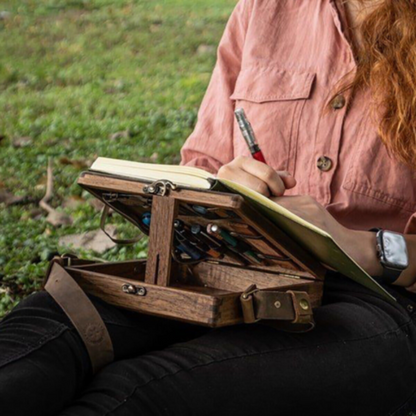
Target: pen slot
x: 269, y: 257
x: 259, y: 252
x: 185, y: 209
x: 180, y: 260
x: 246, y: 237
x: 263, y: 248
x: 127, y: 199
x: 222, y: 213
x: 188, y: 248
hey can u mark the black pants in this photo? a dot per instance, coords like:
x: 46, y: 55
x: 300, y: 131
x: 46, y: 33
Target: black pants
x: 360, y: 360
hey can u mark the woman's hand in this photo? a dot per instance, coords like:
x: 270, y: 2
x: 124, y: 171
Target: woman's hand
x: 360, y: 245
x: 309, y: 209
x: 257, y: 176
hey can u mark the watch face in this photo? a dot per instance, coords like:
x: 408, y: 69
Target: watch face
x: 393, y: 250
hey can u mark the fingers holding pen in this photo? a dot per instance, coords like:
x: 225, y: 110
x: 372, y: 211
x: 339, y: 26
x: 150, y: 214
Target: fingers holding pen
x: 287, y: 178
x: 257, y: 176
x: 276, y: 181
x: 254, y: 183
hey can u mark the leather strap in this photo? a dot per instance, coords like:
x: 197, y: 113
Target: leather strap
x: 104, y: 216
x: 292, y: 307
x: 83, y: 315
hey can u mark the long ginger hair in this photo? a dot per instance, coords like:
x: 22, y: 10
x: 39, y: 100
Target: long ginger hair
x: 387, y: 66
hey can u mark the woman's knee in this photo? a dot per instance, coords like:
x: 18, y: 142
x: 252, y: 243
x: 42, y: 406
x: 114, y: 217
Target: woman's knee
x: 38, y: 305
x: 31, y: 324
x: 39, y: 353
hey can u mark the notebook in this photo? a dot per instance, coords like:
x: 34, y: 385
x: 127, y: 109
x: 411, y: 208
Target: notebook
x: 315, y: 240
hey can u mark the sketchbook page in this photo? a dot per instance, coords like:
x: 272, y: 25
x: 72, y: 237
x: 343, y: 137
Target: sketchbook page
x: 180, y: 175
x: 315, y: 240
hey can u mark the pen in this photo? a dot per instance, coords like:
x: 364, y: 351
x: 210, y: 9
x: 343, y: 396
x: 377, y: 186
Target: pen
x: 146, y: 218
x: 200, y: 210
x: 238, y: 246
x: 192, y: 252
x: 216, y: 245
x: 194, y: 241
x: 248, y: 135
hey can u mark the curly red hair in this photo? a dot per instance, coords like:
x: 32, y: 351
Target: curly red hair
x: 387, y: 65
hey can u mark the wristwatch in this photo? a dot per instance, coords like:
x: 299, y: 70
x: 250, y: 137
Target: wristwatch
x: 392, y: 253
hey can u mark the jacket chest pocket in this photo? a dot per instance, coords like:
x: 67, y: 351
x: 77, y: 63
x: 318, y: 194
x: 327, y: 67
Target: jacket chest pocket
x: 374, y: 174
x: 273, y: 100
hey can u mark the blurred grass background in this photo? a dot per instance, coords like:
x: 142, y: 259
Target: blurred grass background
x: 81, y: 78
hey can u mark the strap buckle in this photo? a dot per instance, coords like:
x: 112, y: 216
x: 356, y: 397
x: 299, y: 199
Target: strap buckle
x: 247, y: 305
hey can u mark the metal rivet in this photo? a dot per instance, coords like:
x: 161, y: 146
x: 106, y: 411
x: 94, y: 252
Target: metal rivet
x: 304, y: 304
x: 141, y: 291
x: 277, y: 304
x: 134, y: 290
x: 410, y: 308
x: 324, y: 163
x: 129, y: 289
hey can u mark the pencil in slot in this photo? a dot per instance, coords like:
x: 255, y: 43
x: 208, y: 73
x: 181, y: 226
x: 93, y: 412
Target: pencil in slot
x: 185, y: 209
x: 257, y: 241
x: 217, y: 245
x: 204, y: 212
x: 195, y: 240
x: 186, y: 247
x: 234, y: 244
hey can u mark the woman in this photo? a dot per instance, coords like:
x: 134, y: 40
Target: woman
x: 333, y: 110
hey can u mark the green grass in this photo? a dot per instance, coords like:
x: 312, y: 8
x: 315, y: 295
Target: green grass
x: 74, y: 72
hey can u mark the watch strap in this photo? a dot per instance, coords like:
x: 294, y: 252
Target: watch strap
x: 389, y: 276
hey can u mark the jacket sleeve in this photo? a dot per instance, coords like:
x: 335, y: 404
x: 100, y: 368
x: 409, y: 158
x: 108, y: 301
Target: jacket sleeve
x: 211, y: 144
x: 410, y: 227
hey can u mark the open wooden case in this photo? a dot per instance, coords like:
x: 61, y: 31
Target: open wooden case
x: 266, y: 275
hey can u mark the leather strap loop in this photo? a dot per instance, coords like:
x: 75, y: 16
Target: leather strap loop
x: 291, y: 306
x: 83, y: 315
x: 104, y: 216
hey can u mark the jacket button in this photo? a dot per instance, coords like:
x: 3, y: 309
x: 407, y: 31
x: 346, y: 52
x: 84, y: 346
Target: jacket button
x: 338, y: 102
x: 324, y: 163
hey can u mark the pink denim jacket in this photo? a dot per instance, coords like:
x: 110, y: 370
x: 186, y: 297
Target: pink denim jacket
x: 280, y: 61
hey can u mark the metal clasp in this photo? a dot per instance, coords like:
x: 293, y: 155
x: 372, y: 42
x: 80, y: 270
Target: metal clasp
x: 247, y: 305
x: 134, y: 290
x: 161, y: 188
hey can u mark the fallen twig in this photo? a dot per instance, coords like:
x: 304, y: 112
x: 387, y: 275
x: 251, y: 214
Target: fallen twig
x: 54, y: 217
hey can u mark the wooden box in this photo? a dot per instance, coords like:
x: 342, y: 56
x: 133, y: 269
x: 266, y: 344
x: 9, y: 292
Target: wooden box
x: 283, y: 283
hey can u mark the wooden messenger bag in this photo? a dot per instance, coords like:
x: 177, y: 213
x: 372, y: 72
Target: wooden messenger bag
x: 265, y: 277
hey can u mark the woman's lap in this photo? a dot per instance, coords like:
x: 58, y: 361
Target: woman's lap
x: 342, y: 368
x: 44, y: 362
x: 358, y: 361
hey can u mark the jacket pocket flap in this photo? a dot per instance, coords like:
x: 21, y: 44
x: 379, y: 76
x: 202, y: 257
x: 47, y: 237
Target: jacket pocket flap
x: 261, y: 85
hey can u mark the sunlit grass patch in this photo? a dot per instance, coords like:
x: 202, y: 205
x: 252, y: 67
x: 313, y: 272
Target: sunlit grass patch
x: 73, y: 73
